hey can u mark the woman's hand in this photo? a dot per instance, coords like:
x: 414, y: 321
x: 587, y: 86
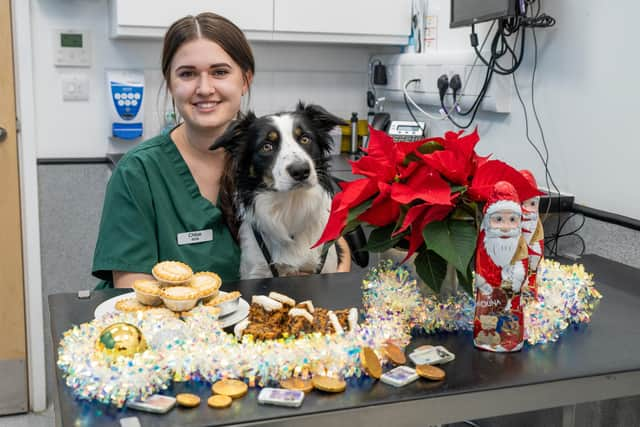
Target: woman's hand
x: 344, y: 264
x: 125, y: 279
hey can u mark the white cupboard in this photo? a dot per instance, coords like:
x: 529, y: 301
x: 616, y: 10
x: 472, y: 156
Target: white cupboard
x: 380, y: 22
x: 150, y: 18
x: 356, y: 21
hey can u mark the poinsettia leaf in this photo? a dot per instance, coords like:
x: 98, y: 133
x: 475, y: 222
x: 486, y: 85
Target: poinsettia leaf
x: 411, y: 157
x: 431, y: 268
x: 356, y: 211
x: 380, y: 239
x: 466, y: 279
x: 453, y: 240
x: 462, y: 213
x: 458, y: 188
x: 352, y: 221
x: 430, y: 147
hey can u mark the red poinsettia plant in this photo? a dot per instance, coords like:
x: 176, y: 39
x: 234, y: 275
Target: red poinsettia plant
x: 422, y: 196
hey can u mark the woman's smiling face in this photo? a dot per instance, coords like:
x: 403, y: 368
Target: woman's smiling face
x: 207, y: 86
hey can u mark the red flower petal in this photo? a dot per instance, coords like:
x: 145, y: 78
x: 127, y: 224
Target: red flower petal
x: 435, y: 213
x: 383, y: 210
x: 424, y: 184
x: 380, y: 144
x: 355, y: 192
x: 412, y: 215
x: 453, y: 165
x: 379, y: 168
x: 337, y: 221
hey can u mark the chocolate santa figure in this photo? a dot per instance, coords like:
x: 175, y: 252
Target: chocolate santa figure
x: 501, y: 270
x: 533, y: 234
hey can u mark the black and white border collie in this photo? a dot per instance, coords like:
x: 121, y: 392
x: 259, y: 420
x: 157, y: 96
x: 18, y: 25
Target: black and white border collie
x: 284, y: 190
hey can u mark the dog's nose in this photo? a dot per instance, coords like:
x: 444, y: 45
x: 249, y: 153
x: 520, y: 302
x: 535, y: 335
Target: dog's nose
x: 299, y: 170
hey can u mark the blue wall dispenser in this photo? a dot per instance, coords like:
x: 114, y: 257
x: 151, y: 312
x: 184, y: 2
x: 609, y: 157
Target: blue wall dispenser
x: 125, y: 96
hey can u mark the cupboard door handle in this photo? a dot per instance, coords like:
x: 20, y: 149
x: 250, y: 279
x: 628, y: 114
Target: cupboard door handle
x: 3, y: 134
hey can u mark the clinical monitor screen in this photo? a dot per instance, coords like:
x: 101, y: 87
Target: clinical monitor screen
x: 467, y: 12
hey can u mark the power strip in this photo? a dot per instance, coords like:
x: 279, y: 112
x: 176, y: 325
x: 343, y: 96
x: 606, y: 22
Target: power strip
x: 556, y: 203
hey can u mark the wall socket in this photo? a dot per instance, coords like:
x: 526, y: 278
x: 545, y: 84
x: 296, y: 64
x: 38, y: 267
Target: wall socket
x: 428, y: 67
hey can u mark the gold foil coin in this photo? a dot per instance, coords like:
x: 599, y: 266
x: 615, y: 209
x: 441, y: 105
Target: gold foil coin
x: 370, y: 362
x: 329, y: 384
x: 219, y: 401
x: 430, y: 372
x: 394, y: 354
x: 188, y: 400
x: 297, y: 384
x: 231, y: 388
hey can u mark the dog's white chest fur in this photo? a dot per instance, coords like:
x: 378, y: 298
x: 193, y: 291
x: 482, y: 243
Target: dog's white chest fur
x: 290, y: 223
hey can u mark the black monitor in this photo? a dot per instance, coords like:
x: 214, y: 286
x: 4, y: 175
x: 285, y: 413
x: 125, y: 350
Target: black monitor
x: 467, y: 12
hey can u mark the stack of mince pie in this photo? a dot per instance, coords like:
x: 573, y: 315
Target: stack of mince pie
x: 175, y: 287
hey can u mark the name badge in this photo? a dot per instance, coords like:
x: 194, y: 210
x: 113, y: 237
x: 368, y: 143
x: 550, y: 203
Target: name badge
x: 191, y: 237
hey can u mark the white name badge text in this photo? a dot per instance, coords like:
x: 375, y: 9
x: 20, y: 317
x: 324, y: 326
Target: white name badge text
x: 191, y: 237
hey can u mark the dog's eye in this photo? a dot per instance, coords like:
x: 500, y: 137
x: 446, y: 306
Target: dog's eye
x: 305, y: 140
x: 272, y: 136
x: 266, y: 148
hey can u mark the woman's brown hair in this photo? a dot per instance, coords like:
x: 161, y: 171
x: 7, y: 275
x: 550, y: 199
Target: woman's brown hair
x: 231, y: 39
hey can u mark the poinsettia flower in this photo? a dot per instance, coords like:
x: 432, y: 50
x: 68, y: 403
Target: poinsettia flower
x: 424, y: 217
x: 493, y: 171
x: 353, y: 194
x: 384, y: 210
x: 336, y: 223
x: 385, y: 158
x: 458, y: 161
x: 425, y: 184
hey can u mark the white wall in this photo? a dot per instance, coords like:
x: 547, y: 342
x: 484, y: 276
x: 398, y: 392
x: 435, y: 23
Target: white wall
x: 586, y: 94
x: 331, y: 75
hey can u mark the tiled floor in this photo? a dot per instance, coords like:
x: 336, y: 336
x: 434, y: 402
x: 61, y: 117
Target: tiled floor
x: 41, y: 419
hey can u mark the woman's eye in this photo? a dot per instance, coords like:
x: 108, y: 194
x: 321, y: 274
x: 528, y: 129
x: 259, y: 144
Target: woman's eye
x: 305, y: 140
x: 220, y: 73
x: 186, y: 74
x: 266, y: 148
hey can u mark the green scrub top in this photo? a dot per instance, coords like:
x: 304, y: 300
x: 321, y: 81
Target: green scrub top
x: 151, y: 205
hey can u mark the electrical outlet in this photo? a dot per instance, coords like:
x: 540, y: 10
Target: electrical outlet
x: 428, y: 76
x: 428, y: 67
x: 451, y: 70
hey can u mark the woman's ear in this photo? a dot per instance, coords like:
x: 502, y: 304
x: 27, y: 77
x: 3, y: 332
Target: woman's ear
x: 248, y: 79
x: 231, y: 140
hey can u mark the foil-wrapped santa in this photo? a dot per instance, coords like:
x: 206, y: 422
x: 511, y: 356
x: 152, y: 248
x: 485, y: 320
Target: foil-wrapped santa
x: 500, y: 272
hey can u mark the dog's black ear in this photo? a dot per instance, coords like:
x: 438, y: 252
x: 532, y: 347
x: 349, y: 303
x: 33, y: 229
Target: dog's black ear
x: 235, y: 134
x: 321, y: 118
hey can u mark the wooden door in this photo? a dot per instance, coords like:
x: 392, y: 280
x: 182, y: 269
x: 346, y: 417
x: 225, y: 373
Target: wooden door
x: 13, y: 351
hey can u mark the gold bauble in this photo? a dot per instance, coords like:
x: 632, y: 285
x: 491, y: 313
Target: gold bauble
x: 121, y: 339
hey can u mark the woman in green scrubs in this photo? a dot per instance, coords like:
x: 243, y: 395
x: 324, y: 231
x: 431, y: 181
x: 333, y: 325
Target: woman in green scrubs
x: 169, y: 198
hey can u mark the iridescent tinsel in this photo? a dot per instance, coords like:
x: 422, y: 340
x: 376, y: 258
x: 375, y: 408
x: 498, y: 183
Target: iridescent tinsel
x: 197, y: 347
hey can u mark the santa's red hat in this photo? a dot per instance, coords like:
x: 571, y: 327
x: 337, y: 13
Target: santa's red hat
x: 529, y: 177
x: 503, y: 197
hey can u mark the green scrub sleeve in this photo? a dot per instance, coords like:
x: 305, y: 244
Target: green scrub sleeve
x: 127, y: 228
